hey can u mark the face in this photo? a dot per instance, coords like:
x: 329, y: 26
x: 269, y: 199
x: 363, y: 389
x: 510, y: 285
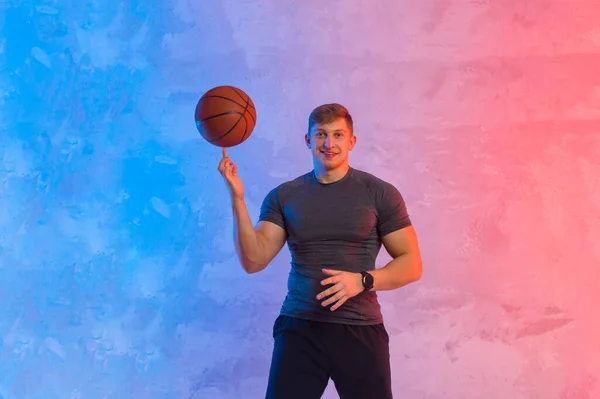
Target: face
x: 330, y: 144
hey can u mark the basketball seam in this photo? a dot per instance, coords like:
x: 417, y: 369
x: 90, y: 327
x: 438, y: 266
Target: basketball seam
x: 238, y: 121
x: 235, y: 102
x: 230, y: 129
x: 245, y: 131
x: 247, y: 100
x: 225, y: 98
x: 217, y: 115
x: 247, y: 104
x: 253, y: 118
x: 245, y: 128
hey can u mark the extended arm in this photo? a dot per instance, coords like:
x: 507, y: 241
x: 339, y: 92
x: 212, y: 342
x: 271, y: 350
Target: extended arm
x: 255, y: 247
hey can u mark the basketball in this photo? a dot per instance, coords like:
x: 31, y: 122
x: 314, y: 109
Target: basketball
x: 225, y: 116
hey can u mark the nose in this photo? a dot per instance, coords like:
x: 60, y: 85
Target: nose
x: 328, y: 141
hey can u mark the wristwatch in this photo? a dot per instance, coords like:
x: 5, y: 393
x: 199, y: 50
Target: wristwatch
x: 367, y: 280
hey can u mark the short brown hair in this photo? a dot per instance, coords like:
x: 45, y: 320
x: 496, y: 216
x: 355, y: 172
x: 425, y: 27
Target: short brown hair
x: 327, y: 113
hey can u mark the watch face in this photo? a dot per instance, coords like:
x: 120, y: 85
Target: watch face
x: 368, y: 281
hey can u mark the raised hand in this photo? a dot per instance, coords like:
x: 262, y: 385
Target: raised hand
x: 229, y: 171
x: 345, y: 286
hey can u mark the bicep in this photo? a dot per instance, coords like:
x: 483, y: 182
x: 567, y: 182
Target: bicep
x: 272, y: 238
x: 401, y: 242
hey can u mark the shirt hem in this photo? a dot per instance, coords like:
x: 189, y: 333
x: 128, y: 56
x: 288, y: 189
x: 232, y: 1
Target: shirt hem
x: 327, y: 319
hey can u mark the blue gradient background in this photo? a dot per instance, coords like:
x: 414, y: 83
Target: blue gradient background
x: 118, y: 276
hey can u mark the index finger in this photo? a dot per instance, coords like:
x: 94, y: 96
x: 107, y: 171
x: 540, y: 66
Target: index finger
x: 330, y: 280
x: 225, y: 152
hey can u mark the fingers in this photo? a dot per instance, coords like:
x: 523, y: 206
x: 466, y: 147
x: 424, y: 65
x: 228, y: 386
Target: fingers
x: 223, y: 161
x: 339, y: 303
x: 342, y: 287
x: 228, y: 169
x: 224, y: 164
x: 331, y: 290
x: 331, y: 280
x: 339, y: 295
x: 337, y: 275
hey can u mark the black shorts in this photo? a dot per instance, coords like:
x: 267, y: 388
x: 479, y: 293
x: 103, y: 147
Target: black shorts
x: 307, y: 354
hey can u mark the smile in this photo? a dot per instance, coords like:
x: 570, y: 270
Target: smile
x: 329, y: 154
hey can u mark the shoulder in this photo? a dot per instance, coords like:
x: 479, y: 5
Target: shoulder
x: 384, y: 195
x: 373, y: 184
x: 285, y: 189
x: 389, y: 204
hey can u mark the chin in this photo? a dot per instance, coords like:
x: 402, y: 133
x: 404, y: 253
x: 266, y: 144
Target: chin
x: 331, y: 165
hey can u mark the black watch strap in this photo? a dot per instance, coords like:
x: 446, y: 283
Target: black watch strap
x: 367, y: 280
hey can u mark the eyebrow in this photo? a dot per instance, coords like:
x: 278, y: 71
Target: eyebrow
x: 335, y: 131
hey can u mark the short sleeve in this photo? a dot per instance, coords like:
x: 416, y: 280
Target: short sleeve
x: 271, y: 210
x: 392, y: 212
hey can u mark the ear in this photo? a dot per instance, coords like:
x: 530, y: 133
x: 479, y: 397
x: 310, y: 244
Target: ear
x: 352, y: 142
x: 307, y: 139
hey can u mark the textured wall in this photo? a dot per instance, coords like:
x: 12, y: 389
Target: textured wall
x: 118, y: 277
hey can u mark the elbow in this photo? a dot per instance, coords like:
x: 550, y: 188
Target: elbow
x: 251, y: 259
x: 417, y: 276
x: 251, y: 264
x: 251, y: 267
x: 413, y: 271
x: 418, y: 271
x: 251, y: 270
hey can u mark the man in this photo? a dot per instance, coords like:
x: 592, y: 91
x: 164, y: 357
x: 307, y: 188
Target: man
x: 334, y: 219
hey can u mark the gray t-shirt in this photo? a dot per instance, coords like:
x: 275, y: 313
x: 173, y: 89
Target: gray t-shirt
x: 336, y: 226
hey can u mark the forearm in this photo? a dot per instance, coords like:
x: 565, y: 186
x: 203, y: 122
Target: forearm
x: 247, y: 240
x: 401, y: 271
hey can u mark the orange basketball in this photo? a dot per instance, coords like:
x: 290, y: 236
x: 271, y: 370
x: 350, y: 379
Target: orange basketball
x: 225, y: 116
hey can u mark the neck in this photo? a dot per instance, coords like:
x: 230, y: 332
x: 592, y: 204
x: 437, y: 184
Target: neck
x: 330, y: 175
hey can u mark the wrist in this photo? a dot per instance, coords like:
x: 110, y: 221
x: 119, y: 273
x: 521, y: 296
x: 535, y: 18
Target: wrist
x: 360, y: 281
x: 367, y: 281
x: 237, y: 200
x: 237, y: 203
